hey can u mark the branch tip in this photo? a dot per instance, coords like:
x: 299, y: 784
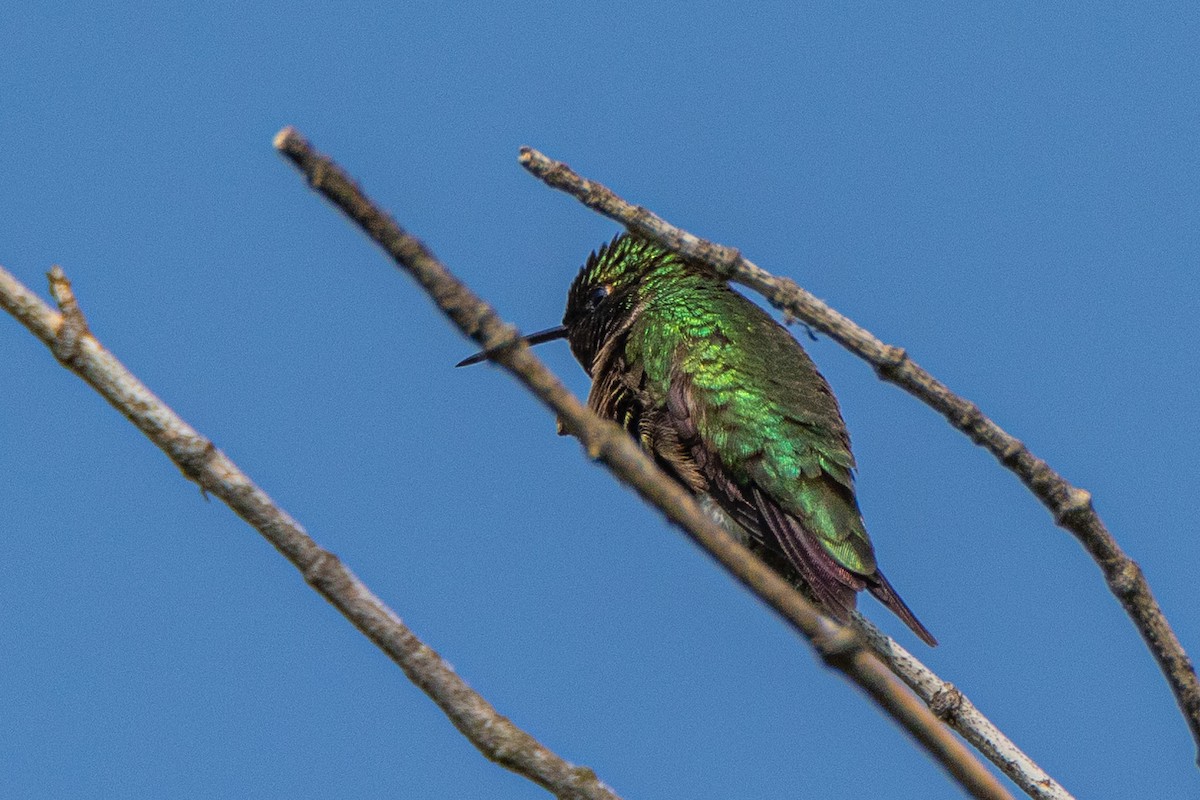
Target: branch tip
x: 286, y: 137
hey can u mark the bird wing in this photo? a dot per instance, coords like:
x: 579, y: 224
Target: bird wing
x: 817, y: 529
x: 793, y: 540
x: 752, y: 408
x: 737, y: 409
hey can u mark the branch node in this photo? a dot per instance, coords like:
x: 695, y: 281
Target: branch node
x: 584, y: 776
x: 723, y: 257
x: 946, y: 702
x: 1079, y: 501
x: 732, y: 255
x: 968, y: 420
x: 594, y: 445
x: 195, y: 456
x: 1126, y: 579
x: 74, y: 325
x: 321, y: 572
x: 890, y: 360
x: 1012, y: 452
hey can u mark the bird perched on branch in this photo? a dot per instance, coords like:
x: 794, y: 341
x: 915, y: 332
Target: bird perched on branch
x: 730, y: 405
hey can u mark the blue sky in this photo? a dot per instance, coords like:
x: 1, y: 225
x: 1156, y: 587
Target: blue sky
x: 1009, y: 191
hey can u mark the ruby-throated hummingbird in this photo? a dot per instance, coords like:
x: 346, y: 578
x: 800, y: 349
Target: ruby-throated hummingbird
x: 730, y: 406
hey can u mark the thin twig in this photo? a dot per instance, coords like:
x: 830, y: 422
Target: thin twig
x: 1070, y: 506
x: 68, y: 337
x: 949, y: 704
x: 841, y: 647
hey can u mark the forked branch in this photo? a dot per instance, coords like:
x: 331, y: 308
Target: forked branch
x: 839, y: 646
x: 1070, y: 506
x: 66, y: 334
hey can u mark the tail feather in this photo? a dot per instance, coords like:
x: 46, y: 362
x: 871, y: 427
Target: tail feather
x: 883, y: 591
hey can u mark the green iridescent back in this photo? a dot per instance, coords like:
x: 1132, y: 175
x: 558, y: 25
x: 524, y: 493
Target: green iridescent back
x: 731, y: 406
x: 758, y: 401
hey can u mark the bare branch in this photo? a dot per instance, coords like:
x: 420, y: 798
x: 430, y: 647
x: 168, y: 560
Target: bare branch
x: 1070, y: 506
x: 839, y: 646
x: 68, y: 337
x: 951, y: 705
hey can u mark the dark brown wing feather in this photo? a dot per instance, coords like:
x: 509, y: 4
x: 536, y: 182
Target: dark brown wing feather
x: 672, y: 434
x: 669, y: 432
x: 778, y: 537
x: 833, y: 586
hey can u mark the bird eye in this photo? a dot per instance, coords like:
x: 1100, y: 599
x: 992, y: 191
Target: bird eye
x: 596, y: 297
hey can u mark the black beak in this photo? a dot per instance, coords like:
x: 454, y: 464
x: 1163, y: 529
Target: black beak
x: 548, y: 335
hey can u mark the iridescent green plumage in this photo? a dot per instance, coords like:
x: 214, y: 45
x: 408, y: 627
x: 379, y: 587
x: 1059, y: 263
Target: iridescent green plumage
x: 730, y: 405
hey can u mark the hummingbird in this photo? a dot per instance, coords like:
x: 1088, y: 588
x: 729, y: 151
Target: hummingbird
x: 730, y: 405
